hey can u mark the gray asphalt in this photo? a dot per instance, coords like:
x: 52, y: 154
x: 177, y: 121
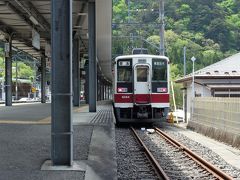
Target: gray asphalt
x: 26, y: 112
x: 24, y: 148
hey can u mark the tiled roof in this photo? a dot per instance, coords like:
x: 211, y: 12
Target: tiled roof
x: 228, y: 67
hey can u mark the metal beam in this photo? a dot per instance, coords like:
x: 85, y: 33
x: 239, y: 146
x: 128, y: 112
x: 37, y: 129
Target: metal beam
x: 37, y: 15
x: 62, y: 129
x: 9, y: 30
x: 92, y: 56
x: 11, y: 6
x: 79, y: 18
x: 34, y: 13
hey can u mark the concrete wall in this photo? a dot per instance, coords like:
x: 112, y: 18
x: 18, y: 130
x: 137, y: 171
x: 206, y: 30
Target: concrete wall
x: 217, y: 118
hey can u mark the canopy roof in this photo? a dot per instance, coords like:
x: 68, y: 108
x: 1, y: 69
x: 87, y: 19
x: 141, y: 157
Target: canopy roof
x: 20, y: 17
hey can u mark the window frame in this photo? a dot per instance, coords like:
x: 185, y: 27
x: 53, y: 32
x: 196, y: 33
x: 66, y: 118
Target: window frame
x: 145, y: 73
x: 128, y: 68
x: 154, y: 68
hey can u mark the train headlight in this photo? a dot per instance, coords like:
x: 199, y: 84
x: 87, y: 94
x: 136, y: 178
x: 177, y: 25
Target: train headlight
x: 162, y: 90
x: 122, y: 90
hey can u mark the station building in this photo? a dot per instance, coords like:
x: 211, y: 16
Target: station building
x: 221, y: 79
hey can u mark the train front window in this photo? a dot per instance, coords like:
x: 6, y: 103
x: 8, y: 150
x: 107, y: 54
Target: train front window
x: 124, y: 70
x: 159, y: 67
x: 142, y: 74
x: 124, y: 74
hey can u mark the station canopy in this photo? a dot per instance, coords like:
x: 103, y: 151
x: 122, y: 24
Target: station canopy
x: 29, y: 21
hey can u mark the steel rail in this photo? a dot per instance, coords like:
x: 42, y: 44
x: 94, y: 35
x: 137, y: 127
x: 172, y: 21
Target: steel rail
x: 154, y: 162
x: 199, y: 160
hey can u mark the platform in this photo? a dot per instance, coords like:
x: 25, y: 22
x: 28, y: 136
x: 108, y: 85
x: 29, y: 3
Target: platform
x: 25, y: 137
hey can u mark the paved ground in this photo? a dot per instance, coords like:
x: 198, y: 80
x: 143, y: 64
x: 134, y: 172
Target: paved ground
x: 25, y: 144
x: 24, y: 148
x: 25, y: 112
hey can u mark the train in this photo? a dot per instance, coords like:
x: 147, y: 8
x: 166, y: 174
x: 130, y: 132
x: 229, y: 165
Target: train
x: 141, y: 88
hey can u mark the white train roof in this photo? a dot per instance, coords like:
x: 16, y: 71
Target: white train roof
x: 141, y: 56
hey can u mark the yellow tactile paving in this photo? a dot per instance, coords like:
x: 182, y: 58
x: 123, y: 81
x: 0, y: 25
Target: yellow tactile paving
x: 22, y: 122
x: 81, y: 109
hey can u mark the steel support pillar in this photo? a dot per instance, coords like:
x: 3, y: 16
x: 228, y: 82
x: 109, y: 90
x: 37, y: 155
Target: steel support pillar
x: 105, y: 92
x: 86, y: 86
x: 62, y: 130
x: 108, y: 93
x: 92, y: 56
x: 43, y: 79
x: 100, y: 91
x: 98, y: 88
x: 8, y: 74
x: 76, y: 73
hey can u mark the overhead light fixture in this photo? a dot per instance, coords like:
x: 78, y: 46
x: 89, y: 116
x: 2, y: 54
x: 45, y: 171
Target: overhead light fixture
x: 82, y: 14
x: 34, y: 20
x: 77, y: 27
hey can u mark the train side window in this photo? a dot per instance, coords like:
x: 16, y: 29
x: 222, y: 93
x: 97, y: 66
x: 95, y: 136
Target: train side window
x: 159, y: 70
x: 142, y: 73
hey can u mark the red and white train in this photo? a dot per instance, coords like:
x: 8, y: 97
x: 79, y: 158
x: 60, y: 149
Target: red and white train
x: 141, y: 88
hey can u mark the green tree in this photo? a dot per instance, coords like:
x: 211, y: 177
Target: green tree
x: 24, y: 71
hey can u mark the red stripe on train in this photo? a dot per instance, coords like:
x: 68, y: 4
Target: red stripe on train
x: 123, y: 98
x: 160, y: 98
x: 141, y: 98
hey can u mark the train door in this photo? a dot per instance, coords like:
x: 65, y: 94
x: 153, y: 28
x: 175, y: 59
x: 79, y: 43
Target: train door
x: 142, y: 84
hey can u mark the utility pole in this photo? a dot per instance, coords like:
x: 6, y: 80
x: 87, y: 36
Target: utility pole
x: 185, y: 90
x: 16, y: 85
x: 184, y: 60
x: 128, y: 4
x: 161, y: 19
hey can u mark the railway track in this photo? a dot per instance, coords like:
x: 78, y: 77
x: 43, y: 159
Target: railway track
x: 158, y: 169
x: 172, y: 160
x: 131, y: 159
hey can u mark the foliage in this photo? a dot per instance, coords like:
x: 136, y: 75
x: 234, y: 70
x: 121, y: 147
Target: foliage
x: 24, y: 71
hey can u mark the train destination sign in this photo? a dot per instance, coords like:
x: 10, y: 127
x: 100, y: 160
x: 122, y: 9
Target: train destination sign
x: 124, y: 63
